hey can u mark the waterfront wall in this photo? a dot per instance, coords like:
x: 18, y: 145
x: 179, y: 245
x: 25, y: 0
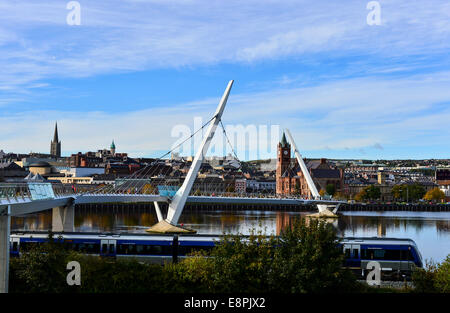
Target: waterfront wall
x: 117, y: 207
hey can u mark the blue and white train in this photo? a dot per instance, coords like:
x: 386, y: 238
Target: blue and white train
x: 397, y: 257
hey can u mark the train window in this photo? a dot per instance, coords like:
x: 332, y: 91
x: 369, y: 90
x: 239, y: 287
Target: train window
x: 140, y: 249
x: 157, y: 250
x: 347, y: 253
x: 14, y: 246
x: 104, y: 248
x: 144, y: 250
x: 355, y: 253
x: 92, y: 248
x: 406, y: 255
x: 381, y: 254
x: 367, y: 254
x: 111, y: 248
x: 392, y: 255
x: 126, y: 249
x: 166, y: 250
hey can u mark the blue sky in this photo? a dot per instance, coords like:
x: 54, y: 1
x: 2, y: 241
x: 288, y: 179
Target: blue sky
x: 134, y: 69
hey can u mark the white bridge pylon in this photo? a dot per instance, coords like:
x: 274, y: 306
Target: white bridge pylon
x: 323, y: 208
x: 176, y: 206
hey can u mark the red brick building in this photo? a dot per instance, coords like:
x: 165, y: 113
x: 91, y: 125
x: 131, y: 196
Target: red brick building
x: 290, y: 179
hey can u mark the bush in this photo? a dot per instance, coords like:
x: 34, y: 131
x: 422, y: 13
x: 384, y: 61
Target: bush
x: 434, y: 278
x: 243, y: 265
x: 104, y: 275
x: 189, y: 276
x: 443, y: 276
x: 305, y: 258
x: 309, y: 260
x: 42, y: 269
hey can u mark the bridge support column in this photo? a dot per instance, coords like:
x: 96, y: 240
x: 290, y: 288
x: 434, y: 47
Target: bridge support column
x: 5, y: 224
x: 176, y: 205
x: 158, y: 211
x: 63, y: 219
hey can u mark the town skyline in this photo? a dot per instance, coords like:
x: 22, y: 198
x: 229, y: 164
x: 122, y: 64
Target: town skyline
x: 56, y: 143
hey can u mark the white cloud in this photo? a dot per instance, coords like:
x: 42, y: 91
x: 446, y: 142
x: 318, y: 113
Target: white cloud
x: 357, y: 114
x: 117, y: 35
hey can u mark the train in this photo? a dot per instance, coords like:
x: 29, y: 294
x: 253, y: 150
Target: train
x: 398, y: 257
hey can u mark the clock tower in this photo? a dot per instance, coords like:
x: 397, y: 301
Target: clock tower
x: 283, y: 162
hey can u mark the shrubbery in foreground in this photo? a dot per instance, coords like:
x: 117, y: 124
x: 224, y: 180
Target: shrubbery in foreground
x: 433, y: 278
x: 304, y: 258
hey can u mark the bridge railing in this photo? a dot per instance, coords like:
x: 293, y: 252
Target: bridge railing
x: 32, y: 191
x: 256, y: 195
x: 13, y: 192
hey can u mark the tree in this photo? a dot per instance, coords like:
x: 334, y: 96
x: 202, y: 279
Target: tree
x: 434, y: 194
x: 397, y: 191
x: 308, y: 259
x: 368, y: 193
x: 331, y: 189
x: 41, y: 269
x: 408, y: 192
x: 373, y: 192
x: 361, y: 196
x: 243, y: 265
x: 433, y: 278
x: 340, y: 196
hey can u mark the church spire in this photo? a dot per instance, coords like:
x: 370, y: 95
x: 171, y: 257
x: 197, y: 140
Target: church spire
x: 55, y: 145
x: 55, y: 136
x: 283, y: 141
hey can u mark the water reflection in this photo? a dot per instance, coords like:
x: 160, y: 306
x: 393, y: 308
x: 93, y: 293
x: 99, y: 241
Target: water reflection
x: 430, y: 230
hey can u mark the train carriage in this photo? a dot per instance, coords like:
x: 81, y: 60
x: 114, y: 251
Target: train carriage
x: 397, y: 257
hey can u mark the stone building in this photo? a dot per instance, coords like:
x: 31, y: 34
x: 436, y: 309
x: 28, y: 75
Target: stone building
x: 291, y: 181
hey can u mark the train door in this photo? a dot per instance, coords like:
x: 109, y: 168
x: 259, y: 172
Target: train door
x: 107, y: 247
x: 15, y: 246
x: 356, y: 255
x: 352, y: 254
x: 404, y: 264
